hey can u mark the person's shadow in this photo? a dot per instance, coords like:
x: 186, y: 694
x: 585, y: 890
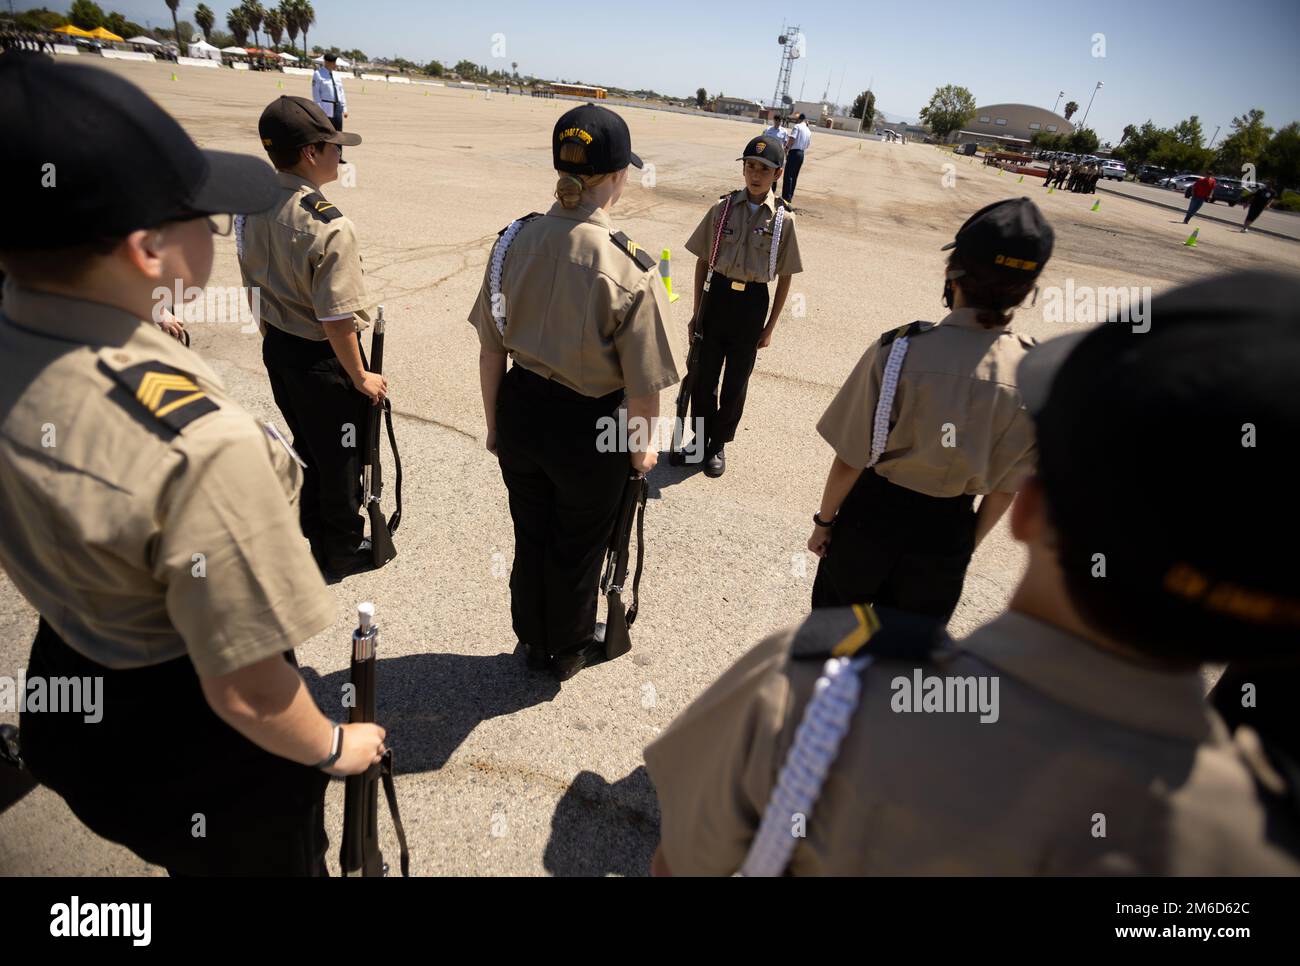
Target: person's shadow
x: 429, y: 703
x: 665, y: 474
x: 601, y: 828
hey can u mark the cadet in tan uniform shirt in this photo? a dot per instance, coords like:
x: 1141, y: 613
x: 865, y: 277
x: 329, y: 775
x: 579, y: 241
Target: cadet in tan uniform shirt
x: 143, y: 514
x: 928, y: 419
x: 1069, y: 735
x: 756, y: 244
x: 582, y: 310
x: 302, y: 258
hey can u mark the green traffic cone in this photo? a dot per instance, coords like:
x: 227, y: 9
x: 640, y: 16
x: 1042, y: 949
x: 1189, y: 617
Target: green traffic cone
x: 1021, y: 180
x: 1096, y: 205
x: 1191, y: 239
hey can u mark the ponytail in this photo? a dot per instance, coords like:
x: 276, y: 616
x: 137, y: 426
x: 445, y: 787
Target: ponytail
x: 569, y: 187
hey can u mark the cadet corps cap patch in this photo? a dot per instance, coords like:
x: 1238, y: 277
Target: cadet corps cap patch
x: 173, y: 396
x: 765, y: 152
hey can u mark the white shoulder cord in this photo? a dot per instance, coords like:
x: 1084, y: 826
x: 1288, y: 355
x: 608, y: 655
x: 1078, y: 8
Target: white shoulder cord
x: 825, y: 722
x: 885, y: 405
x: 494, y: 275
x: 239, y: 236
x: 776, y: 240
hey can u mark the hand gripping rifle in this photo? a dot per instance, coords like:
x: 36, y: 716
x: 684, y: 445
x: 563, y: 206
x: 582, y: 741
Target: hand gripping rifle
x: 697, y: 340
x: 372, y: 477
x: 359, y: 853
x: 617, y: 557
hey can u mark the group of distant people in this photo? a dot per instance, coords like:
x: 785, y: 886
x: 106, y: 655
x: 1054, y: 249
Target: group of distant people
x: 1079, y: 177
x: 795, y: 143
x: 27, y: 40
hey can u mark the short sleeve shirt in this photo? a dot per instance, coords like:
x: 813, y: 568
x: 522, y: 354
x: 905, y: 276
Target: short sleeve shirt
x: 958, y: 424
x: 578, y: 308
x: 745, y: 249
x: 302, y: 260
x: 137, y: 541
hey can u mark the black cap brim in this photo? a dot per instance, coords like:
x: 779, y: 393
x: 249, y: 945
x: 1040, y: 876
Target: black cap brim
x: 1038, y: 368
x: 237, y: 184
x: 635, y: 161
x: 345, y: 139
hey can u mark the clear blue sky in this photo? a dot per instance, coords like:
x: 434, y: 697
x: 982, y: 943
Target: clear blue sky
x: 1163, y: 61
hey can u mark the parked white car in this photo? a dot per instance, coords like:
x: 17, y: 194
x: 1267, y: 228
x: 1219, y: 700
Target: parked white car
x: 1114, y: 169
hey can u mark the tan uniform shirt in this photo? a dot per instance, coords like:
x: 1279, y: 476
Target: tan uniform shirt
x: 1080, y: 736
x: 138, y: 542
x: 958, y: 424
x: 745, y: 251
x: 302, y: 257
x: 579, y: 308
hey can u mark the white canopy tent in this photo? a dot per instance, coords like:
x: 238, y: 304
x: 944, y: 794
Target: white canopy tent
x: 285, y: 55
x: 144, y: 41
x: 343, y: 62
x: 205, y: 50
x: 235, y: 51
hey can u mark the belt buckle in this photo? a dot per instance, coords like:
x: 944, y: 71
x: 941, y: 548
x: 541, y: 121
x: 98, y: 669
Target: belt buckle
x: 738, y: 286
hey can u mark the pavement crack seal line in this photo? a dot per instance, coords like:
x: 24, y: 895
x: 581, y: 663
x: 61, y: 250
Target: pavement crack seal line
x: 430, y: 421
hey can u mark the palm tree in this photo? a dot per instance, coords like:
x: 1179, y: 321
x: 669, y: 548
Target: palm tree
x: 172, y: 5
x: 514, y: 66
x: 253, y: 13
x: 289, y: 11
x: 306, y: 18
x: 1070, y: 109
x: 274, y: 23
x: 204, y: 17
x: 238, y: 26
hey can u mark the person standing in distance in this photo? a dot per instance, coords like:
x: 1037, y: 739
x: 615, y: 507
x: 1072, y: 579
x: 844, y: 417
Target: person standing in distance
x: 328, y: 94
x: 583, y: 312
x: 776, y: 131
x: 757, y: 244
x: 1096, y: 660
x: 796, y: 147
x: 928, y: 419
x: 303, y: 258
x: 144, y: 515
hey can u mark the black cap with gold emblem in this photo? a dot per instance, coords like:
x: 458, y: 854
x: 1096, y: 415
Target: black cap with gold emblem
x: 603, y: 135
x: 765, y: 150
x: 294, y: 122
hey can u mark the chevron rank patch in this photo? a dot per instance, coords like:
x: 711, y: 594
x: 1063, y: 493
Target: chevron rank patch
x: 863, y: 629
x: 638, y: 254
x: 172, y: 396
x: 910, y: 330
x: 320, y: 209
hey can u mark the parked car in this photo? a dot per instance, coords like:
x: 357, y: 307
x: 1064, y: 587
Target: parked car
x: 1227, y: 189
x: 1179, y: 182
x: 969, y: 148
x: 1151, y: 173
x: 1114, y: 169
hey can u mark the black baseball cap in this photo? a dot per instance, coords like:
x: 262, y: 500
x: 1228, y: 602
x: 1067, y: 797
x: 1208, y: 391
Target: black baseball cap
x: 1170, y: 452
x: 89, y: 156
x: 294, y: 122
x: 604, y: 135
x: 1009, y: 238
x: 766, y: 150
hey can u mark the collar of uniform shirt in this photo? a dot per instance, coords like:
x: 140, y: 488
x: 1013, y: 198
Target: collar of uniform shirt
x: 584, y: 212
x: 1083, y: 676
x: 968, y: 318
x: 75, y: 320
x: 294, y: 182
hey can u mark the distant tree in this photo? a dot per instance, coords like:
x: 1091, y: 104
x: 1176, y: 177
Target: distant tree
x: 88, y: 15
x: 1071, y: 108
x: 514, y: 67
x: 434, y: 69
x: 1139, y: 143
x: 124, y: 28
x: 238, y: 26
x: 306, y: 15
x: 1189, y: 132
x: 1129, y: 131
x: 864, y: 106
x: 466, y: 68
x: 949, y: 108
x: 701, y: 95
x: 289, y: 12
x: 1281, y: 159
x: 205, y: 18
x: 254, y: 14
x: 41, y: 19
x: 1247, y: 142
x: 273, y: 21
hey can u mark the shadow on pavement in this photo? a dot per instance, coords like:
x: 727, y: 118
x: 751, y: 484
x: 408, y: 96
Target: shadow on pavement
x: 602, y: 829
x: 429, y: 703
x: 665, y: 474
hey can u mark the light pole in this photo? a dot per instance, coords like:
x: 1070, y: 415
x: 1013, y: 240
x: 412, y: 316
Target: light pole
x: 1084, y: 122
x: 1216, y: 136
x: 1058, y: 101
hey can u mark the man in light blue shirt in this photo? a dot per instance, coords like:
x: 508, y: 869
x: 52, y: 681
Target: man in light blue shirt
x: 327, y: 91
x: 800, y: 138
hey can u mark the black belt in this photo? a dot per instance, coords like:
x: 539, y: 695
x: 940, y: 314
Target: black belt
x: 880, y: 488
x: 535, y: 383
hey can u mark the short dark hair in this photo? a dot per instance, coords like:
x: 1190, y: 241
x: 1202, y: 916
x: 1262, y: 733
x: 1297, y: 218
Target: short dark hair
x: 67, y: 264
x: 284, y: 158
x: 992, y: 298
x: 331, y: 57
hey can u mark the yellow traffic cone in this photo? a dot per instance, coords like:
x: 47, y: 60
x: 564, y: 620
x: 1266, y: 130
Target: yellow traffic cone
x: 173, y: 75
x: 1191, y: 239
x: 1050, y: 190
x: 665, y: 272
x: 1021, y: 180
x: 280, y: 85
x: 1096, y: 205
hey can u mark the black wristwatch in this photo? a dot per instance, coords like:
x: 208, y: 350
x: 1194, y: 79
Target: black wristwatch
x: 817, y: 520
x: 336, y: 749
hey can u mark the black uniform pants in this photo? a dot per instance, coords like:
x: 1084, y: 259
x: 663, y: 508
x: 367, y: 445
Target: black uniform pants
x: 161, y: 774
x: 733, y: 323
x: 898, y: 548
x: 318, y: 401
x: 564, y: 497
x: 338, y: 124
x: 793, y: 162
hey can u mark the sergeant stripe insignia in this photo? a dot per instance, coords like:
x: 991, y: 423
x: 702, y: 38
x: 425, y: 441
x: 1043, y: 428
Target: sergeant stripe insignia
x: 320, y: 208
x: 172, y: 396
x: 639, y: 254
